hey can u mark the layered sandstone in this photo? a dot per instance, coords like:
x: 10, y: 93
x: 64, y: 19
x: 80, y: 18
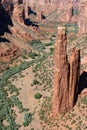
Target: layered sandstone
x: 66, y: 75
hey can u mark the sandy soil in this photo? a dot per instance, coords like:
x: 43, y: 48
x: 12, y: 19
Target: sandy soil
x: 26, y: 96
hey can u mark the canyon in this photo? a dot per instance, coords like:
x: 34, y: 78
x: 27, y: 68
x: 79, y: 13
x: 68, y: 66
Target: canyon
x: 43, y: 64
x: 53, y: 10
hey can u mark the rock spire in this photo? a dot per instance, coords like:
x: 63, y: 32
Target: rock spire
x: 66, y: 75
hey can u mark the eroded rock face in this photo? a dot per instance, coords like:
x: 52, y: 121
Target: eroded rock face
x: 7, y: 53
x: 18, y: 13
x: 67, y: 15
x: 44, y: 6
x: 47, y: 6
x: 66, y: 75
x: 9, y: 5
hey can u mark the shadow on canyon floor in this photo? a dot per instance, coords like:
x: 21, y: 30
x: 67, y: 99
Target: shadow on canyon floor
x: 82, y: 82
x: 30, y: 11
x: 4, y: 40
x: 5, y: 21
x: 30, y: 23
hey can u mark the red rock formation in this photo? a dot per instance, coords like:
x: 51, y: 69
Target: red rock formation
x: 61, y: 90
x: 65, y: 77
x: 82, y: 25
x: 47, y: 6
x: 22, y: 34
x: 74, y: 76
x: 18, y: 13
x: 65, y: 14
x: 7, y: 54
x: 39, y: 15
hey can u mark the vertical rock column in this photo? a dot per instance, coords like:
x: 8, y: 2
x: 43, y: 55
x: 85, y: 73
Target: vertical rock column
x: 66, y: 75
x: 74, y: 76
x: 61, y: 74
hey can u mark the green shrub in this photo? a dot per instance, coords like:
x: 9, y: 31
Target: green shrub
x: 37, y: 95
x: 27, y: 119
x: 34, y: 42
x: 35, y: 81
x: 48, y: 44
x: 32, y: 55
x: 51, y: 50
x: 32, y: 128
x: 25, y: 124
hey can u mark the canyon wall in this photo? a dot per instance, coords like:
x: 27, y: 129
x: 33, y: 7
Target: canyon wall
x: 66, y: 75
x: 46, y: 7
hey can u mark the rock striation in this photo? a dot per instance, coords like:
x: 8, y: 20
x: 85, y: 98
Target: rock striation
x: 66, y: 75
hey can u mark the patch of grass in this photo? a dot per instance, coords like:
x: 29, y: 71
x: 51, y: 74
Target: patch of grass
x: 12, y: 89
x: 43, y: 71
x: 49, y: 44
x: 32, y: 129
x: 45, y: 110
x: 37, y: 45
